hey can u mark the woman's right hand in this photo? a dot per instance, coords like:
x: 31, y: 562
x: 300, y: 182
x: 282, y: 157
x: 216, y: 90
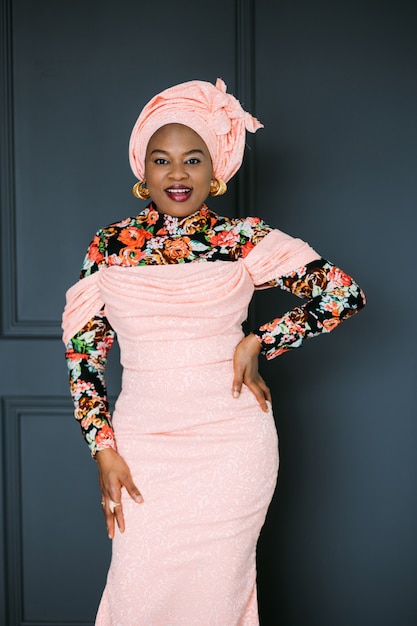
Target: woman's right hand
x: 113, y: 474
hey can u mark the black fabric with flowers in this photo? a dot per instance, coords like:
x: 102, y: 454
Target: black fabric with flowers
x: 152, y: 238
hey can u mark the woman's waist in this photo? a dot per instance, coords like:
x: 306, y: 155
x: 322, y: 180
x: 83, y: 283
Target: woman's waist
x: 173, y: 352
x: 178, y: 381
x: 154, y: 402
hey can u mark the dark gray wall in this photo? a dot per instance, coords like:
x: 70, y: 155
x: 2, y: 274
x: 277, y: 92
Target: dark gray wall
x: 335, y: 85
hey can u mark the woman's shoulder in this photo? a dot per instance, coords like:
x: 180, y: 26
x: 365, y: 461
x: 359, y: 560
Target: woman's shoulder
x: 237, y: 235
x: 109, y: 238
x: 250, y: 227
x: 145, y: 218
x: 245, y: 222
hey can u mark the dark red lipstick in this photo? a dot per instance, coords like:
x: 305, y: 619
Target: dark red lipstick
x: 178, y: 193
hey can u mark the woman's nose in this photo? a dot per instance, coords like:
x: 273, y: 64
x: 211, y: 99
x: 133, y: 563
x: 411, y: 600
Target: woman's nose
x: 178, y: 171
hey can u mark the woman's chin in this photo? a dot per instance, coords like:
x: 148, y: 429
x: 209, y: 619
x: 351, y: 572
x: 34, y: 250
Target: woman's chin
x: 179, y: 208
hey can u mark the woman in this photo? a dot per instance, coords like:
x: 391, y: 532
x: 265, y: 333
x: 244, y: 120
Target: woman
x: 188, y: 462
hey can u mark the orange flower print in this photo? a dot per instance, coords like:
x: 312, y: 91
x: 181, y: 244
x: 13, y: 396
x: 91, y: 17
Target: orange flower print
x: 275, y: 353
x: 72, y: 355
x: 332, y: 307
x: 103, y: 346
x: 131, y: 256
x: 210, y: 218
x: 134, y: 237
x: 331, y: 323
x: 94, y: 253
x: 303, y: 287
x: 338, y: 277
x: 246, y: 248
x: 298, y: 314
x: 175, y: 249
x: 252, y: 221
x: 226, y: 239
x: 152, y: 217
x: 105, y: 437
x: 271, y: 325
x: 86, y: 421
x: 88, y: 404
x: 194, y: 224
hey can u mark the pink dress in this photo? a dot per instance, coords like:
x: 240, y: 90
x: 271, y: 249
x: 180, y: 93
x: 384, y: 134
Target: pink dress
x: 205, y: 462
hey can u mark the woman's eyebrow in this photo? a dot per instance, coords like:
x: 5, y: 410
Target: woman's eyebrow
x: 186, y: 153
x: 160, y: 151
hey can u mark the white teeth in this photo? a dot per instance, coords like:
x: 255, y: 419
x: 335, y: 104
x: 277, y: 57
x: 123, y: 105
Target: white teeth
x: 178, y: 190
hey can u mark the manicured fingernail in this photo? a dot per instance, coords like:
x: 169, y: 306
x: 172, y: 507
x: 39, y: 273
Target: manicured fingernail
x: 138, y: 499
x: 235, y: 394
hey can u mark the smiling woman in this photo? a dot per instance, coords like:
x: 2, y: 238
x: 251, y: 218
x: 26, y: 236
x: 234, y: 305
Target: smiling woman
x: 188, y: 461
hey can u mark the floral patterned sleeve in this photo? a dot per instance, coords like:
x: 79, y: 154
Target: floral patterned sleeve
x: 333, y: 297
x: 86, y: 355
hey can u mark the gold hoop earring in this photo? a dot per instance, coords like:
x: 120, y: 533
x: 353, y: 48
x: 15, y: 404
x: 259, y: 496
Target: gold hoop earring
x: 140, y: 190
x: 217, y: 187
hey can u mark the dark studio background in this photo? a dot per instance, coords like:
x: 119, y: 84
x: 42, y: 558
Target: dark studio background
x: 335, y: 85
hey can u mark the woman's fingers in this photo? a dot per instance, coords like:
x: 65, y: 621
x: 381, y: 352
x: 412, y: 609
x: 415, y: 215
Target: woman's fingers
x: 245, y: 367
x: 118, y: 514
x: 132, y: 490
x: 114, y: 474
x: 237, y: 381
x: 256, y: 385
x: 266, y: 390
x: 261, y: 392
x: 108, y: 515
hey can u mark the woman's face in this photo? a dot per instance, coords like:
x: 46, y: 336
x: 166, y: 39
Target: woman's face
x: 178, y: 170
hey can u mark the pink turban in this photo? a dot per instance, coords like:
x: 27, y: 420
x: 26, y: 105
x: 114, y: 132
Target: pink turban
x: 211, y: 112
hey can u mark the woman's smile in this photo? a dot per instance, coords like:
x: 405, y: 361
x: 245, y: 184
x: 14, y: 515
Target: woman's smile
x: 179, y: 193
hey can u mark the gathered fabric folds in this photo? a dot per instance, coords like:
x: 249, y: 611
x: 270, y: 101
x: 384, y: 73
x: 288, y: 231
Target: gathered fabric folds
x: 274, y: 256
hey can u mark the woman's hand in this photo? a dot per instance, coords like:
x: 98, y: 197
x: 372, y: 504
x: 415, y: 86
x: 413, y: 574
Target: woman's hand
x: 113, y: 474
x: 245, y: 365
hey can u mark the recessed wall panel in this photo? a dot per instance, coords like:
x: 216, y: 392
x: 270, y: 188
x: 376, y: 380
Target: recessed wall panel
x: 81, y: 72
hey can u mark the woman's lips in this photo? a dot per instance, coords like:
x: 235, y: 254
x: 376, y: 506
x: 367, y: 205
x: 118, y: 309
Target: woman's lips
x: 178, y: 194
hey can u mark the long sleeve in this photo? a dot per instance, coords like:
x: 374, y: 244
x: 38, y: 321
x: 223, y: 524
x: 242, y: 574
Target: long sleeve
x: 87, y: 350
x: 86, y: 355
x: 333, y: 296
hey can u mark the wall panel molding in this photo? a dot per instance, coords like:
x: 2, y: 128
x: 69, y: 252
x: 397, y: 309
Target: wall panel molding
x: 8, y: 259
x: 245, y: 92
x: 19, y: 413
x: 12, y: 322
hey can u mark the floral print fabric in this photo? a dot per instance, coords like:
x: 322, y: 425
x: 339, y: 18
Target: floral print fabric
x: 156, y: 239
x: 152, y: 238
x: 334, y: 296
x: 86, y: 358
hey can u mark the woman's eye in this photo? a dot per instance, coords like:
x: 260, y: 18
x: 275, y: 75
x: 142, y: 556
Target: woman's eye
x: 160, y: 161
x: 193, y: 161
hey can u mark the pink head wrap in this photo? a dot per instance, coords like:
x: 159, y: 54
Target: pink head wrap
x: 211, y: 112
